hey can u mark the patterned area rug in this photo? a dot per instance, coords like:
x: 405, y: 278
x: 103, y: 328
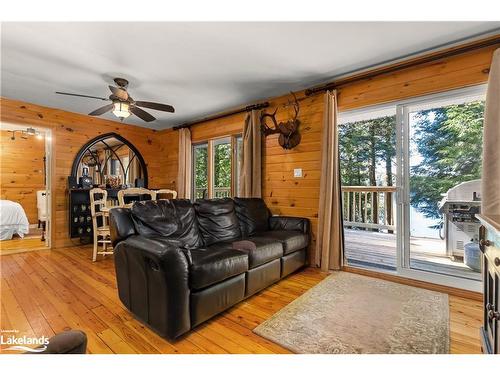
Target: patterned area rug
x: 348, y: 313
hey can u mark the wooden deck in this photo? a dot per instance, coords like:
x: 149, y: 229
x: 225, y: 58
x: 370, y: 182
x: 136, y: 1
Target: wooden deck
x: 44, y: 292
x: 377, y: 250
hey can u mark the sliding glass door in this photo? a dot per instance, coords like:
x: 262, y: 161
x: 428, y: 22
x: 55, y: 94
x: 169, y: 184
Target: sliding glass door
x: 411, y: 175
x: 442, y: 139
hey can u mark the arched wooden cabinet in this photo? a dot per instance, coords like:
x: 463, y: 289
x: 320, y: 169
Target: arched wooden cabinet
x: 108, y: 161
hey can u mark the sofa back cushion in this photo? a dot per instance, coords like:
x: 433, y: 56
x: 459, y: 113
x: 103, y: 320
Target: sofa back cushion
x: 253, y: 215
x: 173, y: 219
x: 188, y: 231
x: 217, y: 220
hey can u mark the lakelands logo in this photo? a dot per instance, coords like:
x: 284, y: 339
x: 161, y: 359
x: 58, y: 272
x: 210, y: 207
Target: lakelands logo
x: 19, y: 343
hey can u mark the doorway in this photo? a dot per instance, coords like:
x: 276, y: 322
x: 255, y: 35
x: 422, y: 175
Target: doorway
x: 25, y: 185
x: 411, y: 175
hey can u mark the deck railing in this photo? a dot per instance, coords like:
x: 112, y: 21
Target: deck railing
x: 222, y: 192
x: 369, y: 207
x: 219, y: 192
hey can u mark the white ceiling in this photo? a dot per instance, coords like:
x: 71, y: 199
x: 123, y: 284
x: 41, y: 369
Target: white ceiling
x: 200, y: 68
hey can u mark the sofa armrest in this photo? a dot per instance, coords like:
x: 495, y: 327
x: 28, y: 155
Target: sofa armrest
x: 153, y: 282
x: 121, y: 224
x: 290, y: 223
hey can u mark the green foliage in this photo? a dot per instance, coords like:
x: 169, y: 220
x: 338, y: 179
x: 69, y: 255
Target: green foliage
x: 222, y: 165
x: 449, y: 140
x: 363, y: 145
x: 200, y: 170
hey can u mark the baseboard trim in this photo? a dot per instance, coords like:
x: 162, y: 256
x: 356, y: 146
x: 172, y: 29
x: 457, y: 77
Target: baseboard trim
x: 417, y: 283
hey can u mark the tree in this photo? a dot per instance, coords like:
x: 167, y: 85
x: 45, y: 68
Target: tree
x: 222, y: 165
x: 200, y: 171
x: 362, y: 146
x: 449, y: 141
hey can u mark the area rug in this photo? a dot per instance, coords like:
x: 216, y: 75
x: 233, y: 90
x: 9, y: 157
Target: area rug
x: 348, y: 313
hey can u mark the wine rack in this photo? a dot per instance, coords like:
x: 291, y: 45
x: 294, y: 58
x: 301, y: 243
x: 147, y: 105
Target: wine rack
x: 80, y: 218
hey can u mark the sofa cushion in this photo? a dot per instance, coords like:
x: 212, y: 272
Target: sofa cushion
x: 153, y: 218
x: 217, y: 220
x: 214, y: 264
x: 172, y: 219
x: 291, y: 240
x: 253, y: 215
x: 260, y: 250
x: 188, y: 232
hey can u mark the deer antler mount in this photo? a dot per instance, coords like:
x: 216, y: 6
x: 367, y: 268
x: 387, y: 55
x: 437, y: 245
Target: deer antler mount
x: 289, y: 136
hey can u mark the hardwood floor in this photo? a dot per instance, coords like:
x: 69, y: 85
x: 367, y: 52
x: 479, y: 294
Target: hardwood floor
x: 21, y: 245
x: 45, y: 292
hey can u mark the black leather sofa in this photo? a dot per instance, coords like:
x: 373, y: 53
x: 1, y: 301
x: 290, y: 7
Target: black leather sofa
x: 179, y: 264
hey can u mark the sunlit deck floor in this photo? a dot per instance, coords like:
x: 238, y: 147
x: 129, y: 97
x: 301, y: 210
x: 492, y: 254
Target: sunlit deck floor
x: 378, y: 250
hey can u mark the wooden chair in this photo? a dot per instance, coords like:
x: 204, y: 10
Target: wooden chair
x: 166, y: 191
x: 101, y: 230
x: 134, y: 191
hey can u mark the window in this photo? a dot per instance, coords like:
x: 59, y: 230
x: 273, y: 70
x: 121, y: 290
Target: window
x: 216, y: 165
x: 200, y: 171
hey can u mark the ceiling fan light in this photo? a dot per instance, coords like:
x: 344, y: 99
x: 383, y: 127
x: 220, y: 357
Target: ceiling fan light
x: 121, y: 109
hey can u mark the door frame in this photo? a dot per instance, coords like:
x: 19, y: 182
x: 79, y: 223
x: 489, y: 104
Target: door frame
x: 49, y: 168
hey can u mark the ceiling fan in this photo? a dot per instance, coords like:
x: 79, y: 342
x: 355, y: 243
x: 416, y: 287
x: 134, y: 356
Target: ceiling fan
x: 122, y: 105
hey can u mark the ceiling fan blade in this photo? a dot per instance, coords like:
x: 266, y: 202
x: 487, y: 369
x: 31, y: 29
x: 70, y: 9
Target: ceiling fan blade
x: 102, y: 110
x: 157, y: 106
x: 142, y: 114
x: 119, y: 93
x: 83, y: 96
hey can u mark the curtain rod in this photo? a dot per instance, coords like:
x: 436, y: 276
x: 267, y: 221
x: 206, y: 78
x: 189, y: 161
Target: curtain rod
x: 247, y: 108
x: 433, y: 56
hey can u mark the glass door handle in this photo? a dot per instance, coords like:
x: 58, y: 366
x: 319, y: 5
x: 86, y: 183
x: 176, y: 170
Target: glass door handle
x: 493, y: 315
x: 484, y: 243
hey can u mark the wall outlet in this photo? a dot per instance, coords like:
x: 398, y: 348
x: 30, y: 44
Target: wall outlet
x: 297, y: 172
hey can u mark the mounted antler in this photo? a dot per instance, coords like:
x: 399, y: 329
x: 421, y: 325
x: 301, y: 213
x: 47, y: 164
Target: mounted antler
x: 288, y: 130
x: 266, y: 129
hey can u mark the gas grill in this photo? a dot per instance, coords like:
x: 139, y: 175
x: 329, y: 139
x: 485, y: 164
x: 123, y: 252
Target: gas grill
x: 459, y: 207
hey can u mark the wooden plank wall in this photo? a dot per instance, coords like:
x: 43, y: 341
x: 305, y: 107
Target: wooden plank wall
x: 70, y: 131
x: 21, y: 171
x: 287, y: 195
x: 455, y: 72
x: 284, y: 194
x: 170, y: 159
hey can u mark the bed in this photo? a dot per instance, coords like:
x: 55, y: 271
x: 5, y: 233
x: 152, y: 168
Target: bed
x: 13, y: 220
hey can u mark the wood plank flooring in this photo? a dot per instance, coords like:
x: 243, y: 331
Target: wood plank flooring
x: 21, y: 245
x: 44, y: 292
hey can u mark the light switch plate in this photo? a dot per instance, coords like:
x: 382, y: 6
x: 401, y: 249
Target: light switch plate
x: 297, y: 172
